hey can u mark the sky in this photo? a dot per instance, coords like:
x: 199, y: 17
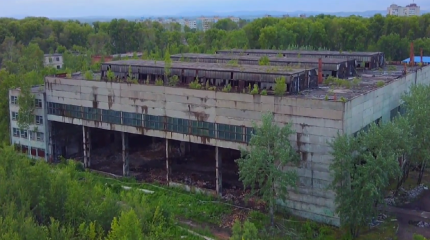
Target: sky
x: 86, y: 8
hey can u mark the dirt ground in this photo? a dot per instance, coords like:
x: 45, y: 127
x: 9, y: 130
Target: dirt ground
x: 417, y: 210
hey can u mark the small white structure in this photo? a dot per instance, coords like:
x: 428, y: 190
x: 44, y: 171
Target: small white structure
x: 53, y: 60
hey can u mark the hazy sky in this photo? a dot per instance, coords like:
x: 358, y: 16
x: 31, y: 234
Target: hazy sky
x: 82, y: 8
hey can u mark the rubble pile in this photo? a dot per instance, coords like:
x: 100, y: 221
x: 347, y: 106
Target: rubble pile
x: 414, y: 193
x: 419, y: 224
x: 404, y: 195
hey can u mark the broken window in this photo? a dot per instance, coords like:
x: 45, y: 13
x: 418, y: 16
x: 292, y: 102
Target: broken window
x: 14, y: 116
x: 249, y: 132
x: 13, y: 100
x: 38, y: 103
x: 177, y: 125
x: 39, y: 120
x: 15, y: 132
x: 230, y: 132
x: 111, y: 116
x: 132, y: 119
x: 32, y: 135
x: 154, y: 122
x: 24, y: 134
x: 40, y: 136
x: 203, y: 129
x: 72, y: 111
x: 92, y: 114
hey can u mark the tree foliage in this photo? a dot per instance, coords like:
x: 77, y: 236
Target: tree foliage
x: 417, y: 111
x: 41, y: 201
x: 264, y: 165
x: 363, y: 167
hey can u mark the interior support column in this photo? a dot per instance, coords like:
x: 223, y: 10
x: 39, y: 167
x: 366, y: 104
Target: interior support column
x: 50, y: 149
x: 218, y: 160
x: 168, y: 163
x: 87, y: 146
x: 125, y: 158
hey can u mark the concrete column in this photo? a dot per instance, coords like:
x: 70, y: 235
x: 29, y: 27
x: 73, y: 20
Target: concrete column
x: 50, y: 150
x: 87, y: 146
x: 168, y: 162
x: 218, y: 160
x: 125, y: 158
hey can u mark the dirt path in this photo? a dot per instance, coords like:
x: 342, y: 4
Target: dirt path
x: 219, y: 233
x: 418, y: 210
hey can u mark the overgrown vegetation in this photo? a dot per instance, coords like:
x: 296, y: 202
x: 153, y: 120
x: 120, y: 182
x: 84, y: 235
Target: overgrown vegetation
x: 346, y: 83
x: 280, y: 86
x: 264, y: 61
x: 364, y: 165
x: 62, y: 202
x: 262, y: 165
x: 195, y: 84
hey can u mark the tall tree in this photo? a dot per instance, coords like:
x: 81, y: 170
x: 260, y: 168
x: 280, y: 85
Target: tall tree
x: 362, y: 169
x: 417, y: 111
x: 264, y: 165
x: 26, y: 103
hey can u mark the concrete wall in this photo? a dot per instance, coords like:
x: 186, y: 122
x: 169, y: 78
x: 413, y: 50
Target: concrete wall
x: 316, y: 122
x: 40, y: 128
x: 369, y: 107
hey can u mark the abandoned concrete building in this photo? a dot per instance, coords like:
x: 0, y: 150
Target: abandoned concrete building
x: 367, y: 60
x: 339, y: 68
x: 33, y: 140
x: 189, y: 132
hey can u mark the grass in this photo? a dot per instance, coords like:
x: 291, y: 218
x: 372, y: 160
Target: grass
x: 206, y: 214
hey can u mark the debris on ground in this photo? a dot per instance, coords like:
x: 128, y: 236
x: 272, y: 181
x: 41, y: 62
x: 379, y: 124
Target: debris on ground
x: 237, y: 215
x: 404, y: 195
x: 420, y: 224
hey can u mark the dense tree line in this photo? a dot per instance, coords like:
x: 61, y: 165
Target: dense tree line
x: 390, y: 34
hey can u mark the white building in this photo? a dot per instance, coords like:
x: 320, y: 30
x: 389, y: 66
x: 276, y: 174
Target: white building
x: 191, y: 24
x: 53, y: 60
x: 410, y: 10
x: 33, y: 139
x: 234, y: 19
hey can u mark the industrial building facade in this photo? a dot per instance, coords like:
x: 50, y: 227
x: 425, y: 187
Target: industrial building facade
x: 119, y: 110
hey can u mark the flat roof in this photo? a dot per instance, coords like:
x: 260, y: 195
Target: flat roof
x: 367, y: 82
x: 302, y: 52
x: 256, y: 58
x: 53, y: 55
x: 273, y: 70
x: 426, y: 59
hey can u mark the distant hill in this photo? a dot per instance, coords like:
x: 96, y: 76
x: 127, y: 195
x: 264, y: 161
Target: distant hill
x: 241, y: 14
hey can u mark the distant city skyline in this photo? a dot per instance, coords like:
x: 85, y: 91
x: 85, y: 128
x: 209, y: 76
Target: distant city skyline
x: 105, y: 8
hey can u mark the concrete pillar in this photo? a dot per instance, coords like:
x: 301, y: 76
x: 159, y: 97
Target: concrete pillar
x: 125, y: 158
x: 87, y: 146
x: 168, y: 162
x: 218, y: 159
x: 49, y: 150
x: 185, y: 148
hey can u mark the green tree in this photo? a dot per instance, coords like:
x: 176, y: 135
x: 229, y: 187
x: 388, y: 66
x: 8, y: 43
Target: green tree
x: 415, y: 103
x: 26, y: 103
x: 262, y: 165
x: 362, y: 169
x: 167, y: 65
